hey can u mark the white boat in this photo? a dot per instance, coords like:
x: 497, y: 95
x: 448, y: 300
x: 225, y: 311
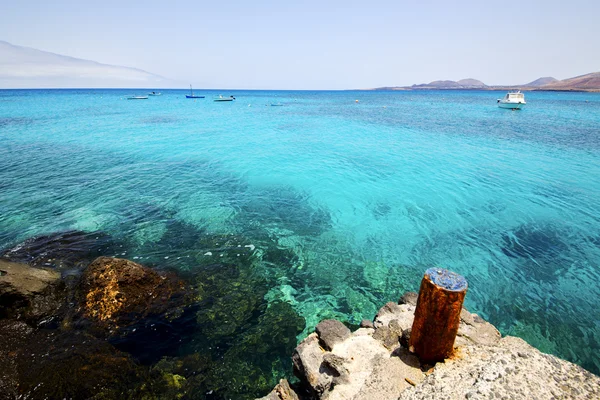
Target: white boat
x: 137, y: 97
x: 512, y: 100
x: 221, y: 98
x: 154, y: 94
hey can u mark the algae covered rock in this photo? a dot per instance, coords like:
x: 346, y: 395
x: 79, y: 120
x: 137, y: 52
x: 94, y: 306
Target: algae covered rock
x: 228, y: 299
x: 259, y: 356
x: 116, y: 293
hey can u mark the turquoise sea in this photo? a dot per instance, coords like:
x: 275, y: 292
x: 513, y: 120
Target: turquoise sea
x: 339, y: 200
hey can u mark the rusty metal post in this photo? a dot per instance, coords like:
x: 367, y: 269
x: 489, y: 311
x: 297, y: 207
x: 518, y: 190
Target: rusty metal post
x: 437, y: 316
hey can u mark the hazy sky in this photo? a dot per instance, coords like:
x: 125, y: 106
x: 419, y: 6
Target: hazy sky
x: 317, y: 44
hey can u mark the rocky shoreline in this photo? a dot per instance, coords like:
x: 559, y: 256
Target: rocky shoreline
x: 77, y: 324
x: 374, y: 362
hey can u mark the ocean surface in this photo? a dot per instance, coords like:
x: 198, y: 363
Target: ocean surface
x: 356, y: 193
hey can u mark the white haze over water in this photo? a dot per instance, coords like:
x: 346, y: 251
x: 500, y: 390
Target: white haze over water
x: 23, y: 67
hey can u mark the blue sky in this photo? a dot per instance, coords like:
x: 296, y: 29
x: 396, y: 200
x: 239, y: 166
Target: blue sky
x: 317, y: 44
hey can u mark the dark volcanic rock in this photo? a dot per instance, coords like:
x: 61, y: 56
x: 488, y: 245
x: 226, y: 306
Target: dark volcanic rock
x: 330, y: 332
x: 61, y: 250
x: 405, y: 338
x: 13, y: 336
x: 56, y: 365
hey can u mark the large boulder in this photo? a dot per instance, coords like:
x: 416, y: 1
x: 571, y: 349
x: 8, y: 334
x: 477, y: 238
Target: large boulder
x: 115, y: 293
x: 29, y: 293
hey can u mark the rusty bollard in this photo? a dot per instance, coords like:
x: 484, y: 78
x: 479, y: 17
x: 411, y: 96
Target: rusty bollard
x: 437, y: 316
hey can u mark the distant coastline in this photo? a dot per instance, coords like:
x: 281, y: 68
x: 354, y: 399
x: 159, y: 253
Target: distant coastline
x: 583, y: 83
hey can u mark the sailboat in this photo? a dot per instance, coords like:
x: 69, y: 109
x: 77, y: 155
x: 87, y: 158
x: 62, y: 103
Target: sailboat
x: 192, y: 95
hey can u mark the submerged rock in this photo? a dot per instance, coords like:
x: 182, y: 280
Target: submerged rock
x: 62, y: 250
x: 258, y: 356
x: 57, y: 365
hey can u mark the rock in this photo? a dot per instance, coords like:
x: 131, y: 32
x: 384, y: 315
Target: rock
x: 474, y: 329
x: 365, y: 323
x: 13, y: 336
x: 331, y: 332
x: 56, y: 365
x: 405, y: 338
x: 24, y: 281
x: 282, y: 391
x: 404, y: 314
x: 358, y: 367
x: 498, y: 371
x: 26, y: 292
x: 484, y: 365
x: 115, y: 293
x: 409, y: 298
x: 62, y: 250
x: 373, y: 372
x: 307, y: 359
x: 386, y: 314
x: 334, y: 365
x: 387, y: 336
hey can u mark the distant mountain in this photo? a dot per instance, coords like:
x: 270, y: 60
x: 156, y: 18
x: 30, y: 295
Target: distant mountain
x: 582, y: 82
x: 444, y: 84
x: 588, y: 83
x: 462, y: 84
x: 25, y: 67
x: 541, y: 82
x: 472, y: 83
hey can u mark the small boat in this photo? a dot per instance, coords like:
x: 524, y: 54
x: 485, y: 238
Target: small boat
x: 512, y: 100
x: 192, y: 95
x: 154, y: 94
x: 137, y: 97
x: 221, y: 98
x: 276, y: 105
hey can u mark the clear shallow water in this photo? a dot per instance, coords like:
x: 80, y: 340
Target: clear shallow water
x: 366, y: 196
